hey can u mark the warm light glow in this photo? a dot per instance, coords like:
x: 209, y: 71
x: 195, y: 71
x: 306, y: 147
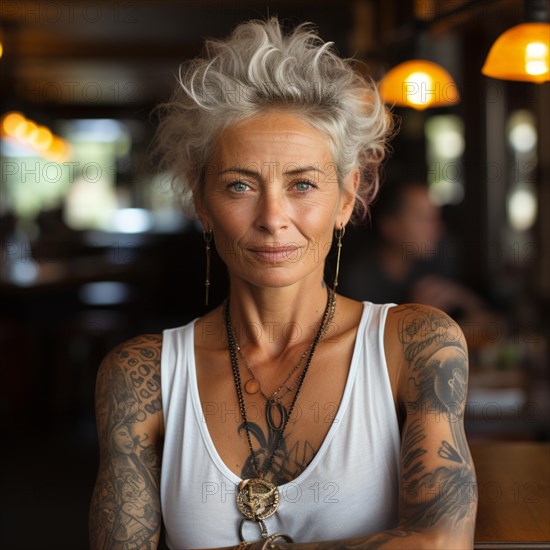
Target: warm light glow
x: 10, y: 122
x: 536, y: 58
x: 1, y: 49
x: 521, y: 53
x: 419, y: 81
x: 27, y: 131
x: 15, y: 125
x: 41, y: 138
x: 58, y: 149
x: 20, y: 130
x: 419, y: 84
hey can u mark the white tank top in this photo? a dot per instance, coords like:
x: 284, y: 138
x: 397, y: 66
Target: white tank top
x: 350, y: 488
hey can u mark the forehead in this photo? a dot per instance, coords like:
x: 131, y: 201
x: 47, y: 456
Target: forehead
x: 272, y: 136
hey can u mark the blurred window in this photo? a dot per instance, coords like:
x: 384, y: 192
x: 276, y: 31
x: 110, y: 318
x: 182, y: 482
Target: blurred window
x: 522, y: 198
x: 99, y: 146
x: 444, y: 149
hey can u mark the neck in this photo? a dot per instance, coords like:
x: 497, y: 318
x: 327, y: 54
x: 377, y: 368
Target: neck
x: 269, y: 321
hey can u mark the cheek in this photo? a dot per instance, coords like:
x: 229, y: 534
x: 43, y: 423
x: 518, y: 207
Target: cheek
x: 230, y: 225
x: 318, y: 218
x: 317, y: 226
x: 230, y: 220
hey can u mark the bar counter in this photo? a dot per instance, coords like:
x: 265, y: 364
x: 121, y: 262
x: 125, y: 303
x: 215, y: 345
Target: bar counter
x: 514, y: 495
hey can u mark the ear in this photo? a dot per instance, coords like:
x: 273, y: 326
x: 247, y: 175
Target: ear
x: 349, y: 193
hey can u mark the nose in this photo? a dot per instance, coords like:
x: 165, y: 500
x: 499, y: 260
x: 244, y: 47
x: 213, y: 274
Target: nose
x: 272, y: 212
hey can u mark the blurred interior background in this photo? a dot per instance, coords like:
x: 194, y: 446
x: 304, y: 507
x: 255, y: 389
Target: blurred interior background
x: 94, y: 249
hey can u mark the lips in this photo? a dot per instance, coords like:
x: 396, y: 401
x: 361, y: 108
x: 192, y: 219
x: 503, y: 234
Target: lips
x: 274, y: 254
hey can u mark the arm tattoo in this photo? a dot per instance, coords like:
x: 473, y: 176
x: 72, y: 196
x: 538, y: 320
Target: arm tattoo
x: 437, y: 361
x: 411, y: 452
x: 125, y: 510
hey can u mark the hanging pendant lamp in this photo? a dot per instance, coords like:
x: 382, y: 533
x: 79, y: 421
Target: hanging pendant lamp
x: 419, y: 84
x: 522, y: 52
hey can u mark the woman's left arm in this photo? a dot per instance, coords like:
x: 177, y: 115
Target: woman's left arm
x: 438, y: 490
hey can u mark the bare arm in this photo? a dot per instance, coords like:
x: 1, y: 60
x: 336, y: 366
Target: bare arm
x: 438, y: 499
x: 125, y: 509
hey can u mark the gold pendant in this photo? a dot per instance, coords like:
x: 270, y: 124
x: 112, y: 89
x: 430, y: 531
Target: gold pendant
x: 257, y: 499
x: 252, y: 386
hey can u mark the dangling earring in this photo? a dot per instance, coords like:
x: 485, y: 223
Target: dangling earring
x: 339, y: 233
x: 207, y: 236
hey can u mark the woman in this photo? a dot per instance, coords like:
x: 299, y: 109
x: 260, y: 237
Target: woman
x: 289, y: 413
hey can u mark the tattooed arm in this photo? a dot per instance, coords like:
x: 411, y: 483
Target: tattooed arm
x: 125, y: 508
x: 438, y: 499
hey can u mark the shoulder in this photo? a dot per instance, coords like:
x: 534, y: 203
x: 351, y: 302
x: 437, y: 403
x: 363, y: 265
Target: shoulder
x: 137, y: 359
x: 145, y: 345
x: 129, y: 376
x: 132, y: 354
x: 429, y: 348
x: 414, y: 327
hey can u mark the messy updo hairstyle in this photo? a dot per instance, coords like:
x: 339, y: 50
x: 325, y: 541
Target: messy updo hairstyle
x: 259, y: 67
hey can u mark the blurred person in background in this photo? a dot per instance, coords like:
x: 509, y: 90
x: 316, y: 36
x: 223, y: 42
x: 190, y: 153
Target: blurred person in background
x: 409, y: 258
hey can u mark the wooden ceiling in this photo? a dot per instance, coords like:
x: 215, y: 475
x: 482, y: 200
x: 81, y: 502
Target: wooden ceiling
x: 125, y: 53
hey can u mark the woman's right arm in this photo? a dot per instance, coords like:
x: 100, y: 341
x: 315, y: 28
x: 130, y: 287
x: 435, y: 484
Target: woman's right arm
x: 125, y: 509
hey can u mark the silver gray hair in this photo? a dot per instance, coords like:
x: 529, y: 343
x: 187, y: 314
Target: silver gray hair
x: 259, y: 68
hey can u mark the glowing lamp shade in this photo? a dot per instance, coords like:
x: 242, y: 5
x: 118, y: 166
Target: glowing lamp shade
x: 521, y: 53
x: 419, y: 84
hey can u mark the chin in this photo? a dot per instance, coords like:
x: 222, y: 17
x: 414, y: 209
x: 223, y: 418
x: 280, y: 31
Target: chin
x: 271, y: 277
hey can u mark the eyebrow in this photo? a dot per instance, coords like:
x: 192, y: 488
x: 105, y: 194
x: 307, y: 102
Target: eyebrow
x: 253, y: 173
x: 305, y: 169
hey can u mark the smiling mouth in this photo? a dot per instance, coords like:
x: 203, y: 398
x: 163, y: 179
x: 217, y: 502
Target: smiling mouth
x: 274, y: 254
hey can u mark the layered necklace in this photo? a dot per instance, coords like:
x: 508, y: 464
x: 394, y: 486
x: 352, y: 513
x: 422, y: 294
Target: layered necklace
x: 258, y: 498
x: 273, y: 401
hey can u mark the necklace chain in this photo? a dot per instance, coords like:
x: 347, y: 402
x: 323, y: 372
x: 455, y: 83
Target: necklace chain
x: 233, y: 348
x: 275, y: 395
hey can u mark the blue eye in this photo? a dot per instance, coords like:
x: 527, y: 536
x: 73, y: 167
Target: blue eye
x: 304, y: 186
x: 238, y: 186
